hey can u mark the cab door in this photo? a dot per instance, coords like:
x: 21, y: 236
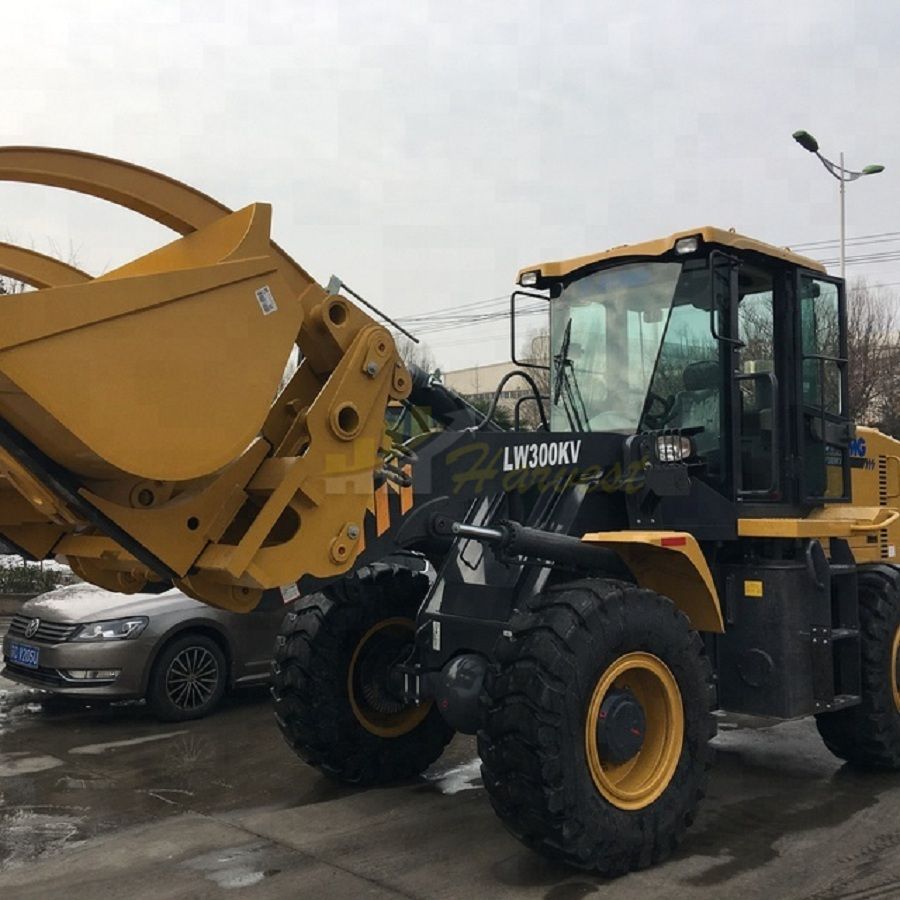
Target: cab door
x: 821, y: 402
x: 756, y: 388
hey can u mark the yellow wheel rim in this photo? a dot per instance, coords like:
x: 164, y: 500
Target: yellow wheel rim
x: 641, y: 780
x: 895, y: 669
x: 377, y: 721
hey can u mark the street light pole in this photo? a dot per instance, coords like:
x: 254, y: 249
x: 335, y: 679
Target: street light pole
x: 843, y: 221
x: 843, y: 175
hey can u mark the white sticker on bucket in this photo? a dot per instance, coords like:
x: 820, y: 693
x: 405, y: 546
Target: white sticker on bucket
x: 290, y: 592
x: 266, y: 300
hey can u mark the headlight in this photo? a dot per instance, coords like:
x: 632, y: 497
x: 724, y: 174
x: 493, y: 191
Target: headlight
x: 113, y: 630
x: 687, y: 245
x: 673, y: 448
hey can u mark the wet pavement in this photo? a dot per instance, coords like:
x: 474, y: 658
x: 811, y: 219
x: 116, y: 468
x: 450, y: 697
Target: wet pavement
x: 99, y: 803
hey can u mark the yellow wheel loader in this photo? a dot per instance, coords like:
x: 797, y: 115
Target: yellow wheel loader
x: 696, y: 524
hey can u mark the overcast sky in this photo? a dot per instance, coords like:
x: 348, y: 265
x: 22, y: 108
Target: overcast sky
x: 426, y: 151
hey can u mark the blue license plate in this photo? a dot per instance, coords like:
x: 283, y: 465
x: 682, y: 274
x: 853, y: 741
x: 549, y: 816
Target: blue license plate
x: 24, y: 655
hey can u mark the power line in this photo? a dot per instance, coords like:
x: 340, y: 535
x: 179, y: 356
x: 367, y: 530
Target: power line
x: 866, y: 238
x: 887, y: 256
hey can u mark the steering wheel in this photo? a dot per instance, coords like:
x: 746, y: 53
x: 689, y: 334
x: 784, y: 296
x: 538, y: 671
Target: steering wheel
x: 657, y: 420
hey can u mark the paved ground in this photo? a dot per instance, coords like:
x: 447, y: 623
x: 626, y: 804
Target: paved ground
x: 108, y: 803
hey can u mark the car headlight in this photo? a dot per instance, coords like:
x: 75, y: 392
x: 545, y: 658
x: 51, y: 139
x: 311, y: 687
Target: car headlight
x: 111, y: 630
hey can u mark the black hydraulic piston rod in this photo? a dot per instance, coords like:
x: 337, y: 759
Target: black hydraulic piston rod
x: 521, y: 540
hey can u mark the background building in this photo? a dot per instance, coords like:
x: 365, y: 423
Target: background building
x: 478, y: 383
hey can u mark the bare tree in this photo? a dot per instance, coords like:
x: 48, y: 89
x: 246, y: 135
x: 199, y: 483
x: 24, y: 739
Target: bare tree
x: 874, y: 354
x: 502, y: 416
x: 415, y: 354
x: 535, y: 351
x: 11, y: 286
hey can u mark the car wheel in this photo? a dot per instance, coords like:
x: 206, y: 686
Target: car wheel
x: 188, y: 679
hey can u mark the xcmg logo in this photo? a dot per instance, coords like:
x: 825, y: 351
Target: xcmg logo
x: 858, y: 447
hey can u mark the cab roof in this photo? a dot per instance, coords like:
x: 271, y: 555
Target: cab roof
x: 661, y: 246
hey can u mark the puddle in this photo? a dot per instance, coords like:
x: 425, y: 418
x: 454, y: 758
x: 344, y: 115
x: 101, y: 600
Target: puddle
x: 31, y: 832
x: 572, y: 890
x: 792, y: 747
x: 97, y: 749
x: 12, y: 764
x: 524, y: 869
x: 465, y: 777
x: 240, y: 867
x: 782, y: 811
x: 189, y: 752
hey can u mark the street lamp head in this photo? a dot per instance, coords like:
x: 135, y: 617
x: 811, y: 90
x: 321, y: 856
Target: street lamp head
x: 806, y: 141
x: 872, y: 170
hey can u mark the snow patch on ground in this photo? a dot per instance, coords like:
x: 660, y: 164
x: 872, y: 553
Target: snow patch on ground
x: 12, y: 694
x: 31, y: 832
x: 22, y: 764
x: 97, y: 749
x: 240, y: 867
x: 465, y: 777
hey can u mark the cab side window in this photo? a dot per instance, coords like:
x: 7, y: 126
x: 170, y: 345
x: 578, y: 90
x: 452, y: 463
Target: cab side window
x: 822, y: 390
x: 756, y: 321
x: 820, y: 330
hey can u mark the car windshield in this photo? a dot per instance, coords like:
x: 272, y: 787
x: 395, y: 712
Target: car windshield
x: 607, y: 331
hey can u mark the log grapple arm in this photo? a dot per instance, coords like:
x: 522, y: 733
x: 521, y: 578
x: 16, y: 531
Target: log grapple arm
x: 143, y: 435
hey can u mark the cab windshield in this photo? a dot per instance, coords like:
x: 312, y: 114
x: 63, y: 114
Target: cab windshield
x: 622, y: 340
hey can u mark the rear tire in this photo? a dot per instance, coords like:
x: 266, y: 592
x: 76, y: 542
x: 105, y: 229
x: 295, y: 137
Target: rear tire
x: 188, y: 679
x: 331, y: 703
x: 868, y: 735
x: 550, y: 764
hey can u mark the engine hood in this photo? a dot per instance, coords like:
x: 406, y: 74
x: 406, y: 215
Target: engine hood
x: 88, y: 603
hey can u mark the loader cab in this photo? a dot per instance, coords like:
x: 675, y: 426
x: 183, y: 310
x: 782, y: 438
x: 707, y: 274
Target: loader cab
x: 728, y: 354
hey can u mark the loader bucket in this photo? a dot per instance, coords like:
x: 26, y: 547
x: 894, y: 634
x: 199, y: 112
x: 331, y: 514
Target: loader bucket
x: 142, y: 432
x: 197, y: 332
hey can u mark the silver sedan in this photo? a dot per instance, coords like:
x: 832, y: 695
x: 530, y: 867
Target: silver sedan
x: 84, y: 642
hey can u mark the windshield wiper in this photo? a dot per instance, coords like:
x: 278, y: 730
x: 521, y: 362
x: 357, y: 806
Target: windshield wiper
x: 565, y: 384
x: 559, y: 360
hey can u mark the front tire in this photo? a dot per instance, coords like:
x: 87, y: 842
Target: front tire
x: 333, y: 702
x: 188, y: 679
x: 868, y: 735
x: 595, y: 746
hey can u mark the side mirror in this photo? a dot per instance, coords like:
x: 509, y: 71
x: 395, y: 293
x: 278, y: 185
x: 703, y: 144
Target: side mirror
x: 513, y: 339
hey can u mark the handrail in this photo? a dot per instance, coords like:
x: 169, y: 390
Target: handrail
x: 877, y: 526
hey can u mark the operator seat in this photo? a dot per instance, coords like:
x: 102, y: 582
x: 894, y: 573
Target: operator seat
x: 698, y: 405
